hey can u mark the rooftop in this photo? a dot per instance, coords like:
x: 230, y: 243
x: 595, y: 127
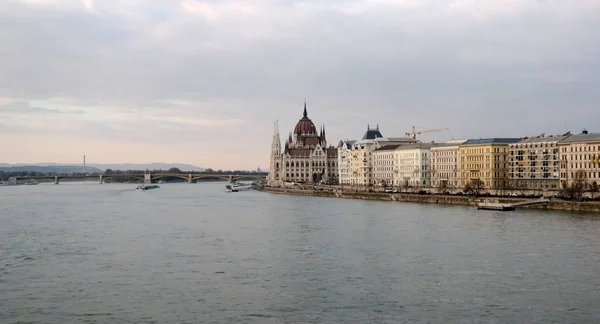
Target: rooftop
x: 543, y: 139
x: 372, y: 133
x: 388, y: 148
x: 585, y: 137
x: 495, y: 140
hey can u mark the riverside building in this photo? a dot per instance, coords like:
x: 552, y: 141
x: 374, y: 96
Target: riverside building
x: 305, y: 157
x: 580, y: 160
x: 444, y: 165
x: 534, y: 162
x: 484, y: 163
x: 359, y: 159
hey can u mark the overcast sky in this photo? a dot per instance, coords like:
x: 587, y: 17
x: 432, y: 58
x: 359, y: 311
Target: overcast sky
x: 202, y: 82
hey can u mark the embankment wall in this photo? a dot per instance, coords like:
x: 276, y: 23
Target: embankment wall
x: 573, y: 206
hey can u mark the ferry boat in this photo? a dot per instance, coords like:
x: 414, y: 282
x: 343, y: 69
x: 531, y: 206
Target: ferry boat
x: 11, y: 182
x: 147, y: 187
x: 229, y: 188
x: 240, y: 185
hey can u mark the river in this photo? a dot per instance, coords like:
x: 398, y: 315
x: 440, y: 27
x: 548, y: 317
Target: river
x: 192, y: 253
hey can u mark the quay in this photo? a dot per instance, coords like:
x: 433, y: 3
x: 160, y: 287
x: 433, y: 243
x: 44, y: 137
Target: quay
x: 486, y: 205
x: 540, y: 204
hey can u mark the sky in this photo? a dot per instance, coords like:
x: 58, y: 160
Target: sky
x: 201, y: 82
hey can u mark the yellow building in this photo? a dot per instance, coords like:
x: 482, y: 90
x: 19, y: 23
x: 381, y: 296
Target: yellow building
x: 483, y: 163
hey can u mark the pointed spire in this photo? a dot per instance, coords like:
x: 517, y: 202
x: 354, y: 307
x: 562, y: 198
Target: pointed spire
x: 368, y: 128
x: 305, y: 114
x: 377, y: 126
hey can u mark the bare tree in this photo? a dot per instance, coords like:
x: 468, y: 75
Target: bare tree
x: 576, y: 189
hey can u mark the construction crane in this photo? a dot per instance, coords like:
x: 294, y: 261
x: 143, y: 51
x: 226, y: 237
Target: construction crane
x: 414, y: 132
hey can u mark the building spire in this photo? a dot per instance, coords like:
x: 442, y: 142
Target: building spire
x: 305, y: 114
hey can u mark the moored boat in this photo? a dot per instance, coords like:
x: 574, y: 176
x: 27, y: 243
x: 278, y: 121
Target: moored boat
x: 147, y: 187
x: 229, y: 188
x: 240, y: 185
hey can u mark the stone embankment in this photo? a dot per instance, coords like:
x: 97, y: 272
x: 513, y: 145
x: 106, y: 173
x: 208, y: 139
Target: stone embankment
x: 555, y: 204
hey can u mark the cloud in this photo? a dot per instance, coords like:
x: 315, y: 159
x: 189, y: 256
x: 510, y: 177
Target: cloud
x: 219, y: 72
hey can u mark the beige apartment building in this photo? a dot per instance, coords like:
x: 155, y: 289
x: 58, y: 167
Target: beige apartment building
x: 580, y: 159
x: 484, y: 162
x: 534, y: 163
x: 444, y: 164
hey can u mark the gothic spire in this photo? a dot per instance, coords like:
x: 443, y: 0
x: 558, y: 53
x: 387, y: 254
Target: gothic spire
x: 305, y: 114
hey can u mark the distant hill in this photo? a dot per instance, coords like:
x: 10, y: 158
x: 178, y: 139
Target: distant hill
x: 48, y: 168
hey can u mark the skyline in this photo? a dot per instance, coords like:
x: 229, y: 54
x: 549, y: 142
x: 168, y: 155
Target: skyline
x: 201, y: 82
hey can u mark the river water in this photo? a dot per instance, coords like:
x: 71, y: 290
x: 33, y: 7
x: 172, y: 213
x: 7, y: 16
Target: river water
x: 191, y: 253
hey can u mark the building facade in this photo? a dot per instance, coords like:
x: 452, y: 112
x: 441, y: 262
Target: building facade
x: 384, y: 165
x: 305, y: 158
x: 580, y: 160
x: 444, y: 165
x: 344, y: 162
x: 534, y: 163
x: 413, y: 165
x: 484, y: 163
x: 360, y: 158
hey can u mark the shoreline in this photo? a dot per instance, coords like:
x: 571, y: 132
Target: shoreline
x: 555, y: 204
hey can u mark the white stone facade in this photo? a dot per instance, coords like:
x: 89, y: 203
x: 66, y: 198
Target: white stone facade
x: 360, y: 168
x: 413, y: 165
x: 305, y: 157
x: 444, y: 165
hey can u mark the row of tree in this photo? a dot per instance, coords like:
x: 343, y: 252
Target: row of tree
x: 4, y: 175
x: 178, y: 171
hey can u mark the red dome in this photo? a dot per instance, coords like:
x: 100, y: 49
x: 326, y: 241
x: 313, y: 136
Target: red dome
x: 305, y: 126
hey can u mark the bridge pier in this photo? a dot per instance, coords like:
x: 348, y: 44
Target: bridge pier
x: 147, y: 178
x: 55, y: 180
x: 100, y: 181
x: 189, y: 178
x: 230, y: 178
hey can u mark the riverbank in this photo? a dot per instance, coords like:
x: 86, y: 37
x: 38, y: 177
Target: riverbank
x: 555, y: 204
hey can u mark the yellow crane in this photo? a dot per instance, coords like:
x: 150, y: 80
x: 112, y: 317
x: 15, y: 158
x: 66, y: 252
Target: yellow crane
x: 414, y: 132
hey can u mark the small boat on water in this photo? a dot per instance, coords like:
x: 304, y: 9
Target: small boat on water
x: 240, y: 185
x: 11, y: 182
x: 147, y: 187
x: 229, y: 188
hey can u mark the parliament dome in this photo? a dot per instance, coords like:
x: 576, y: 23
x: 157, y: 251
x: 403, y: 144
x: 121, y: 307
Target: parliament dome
x: 305, y: 126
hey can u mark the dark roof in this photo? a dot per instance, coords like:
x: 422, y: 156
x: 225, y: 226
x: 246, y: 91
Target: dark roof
x: 388, y: 147
x: 543, y: 139
x: 372, y: 133
x: 578, y: 138
x: 483, y: 141
x: 347, y: 143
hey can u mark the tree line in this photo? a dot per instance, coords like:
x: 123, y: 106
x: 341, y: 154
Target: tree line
x: 4, y: 175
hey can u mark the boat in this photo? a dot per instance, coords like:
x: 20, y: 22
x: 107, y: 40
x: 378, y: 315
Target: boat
x: 240, y: 185
x: 147, y: 187
x: 486, y: 205
x: 229, y: 188
x: 11, y: 182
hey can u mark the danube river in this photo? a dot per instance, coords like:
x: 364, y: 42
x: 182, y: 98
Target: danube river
x: 191, y: 253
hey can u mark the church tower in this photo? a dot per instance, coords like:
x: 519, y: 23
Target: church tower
x: 275, y: 167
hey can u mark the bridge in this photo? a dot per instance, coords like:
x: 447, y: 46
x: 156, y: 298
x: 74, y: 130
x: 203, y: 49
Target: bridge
x: 149, y: 177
